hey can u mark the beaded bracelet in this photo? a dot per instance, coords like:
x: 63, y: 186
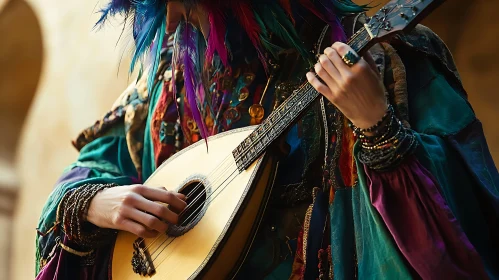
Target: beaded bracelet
x: 390, y: 153
x: 360, y: 132
x: 73, y: 209
x: 389, y: 145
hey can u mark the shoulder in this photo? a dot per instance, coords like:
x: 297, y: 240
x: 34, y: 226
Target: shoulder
x: 423, y: 40
x: 128, y: 111
x: 420, y: 43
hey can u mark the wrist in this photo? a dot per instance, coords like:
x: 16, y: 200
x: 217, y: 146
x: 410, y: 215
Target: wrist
x: 369, y: 128
x: 90, y: 215
x: 74, y: 215
x: 371, y: 117
x: 388, y: 146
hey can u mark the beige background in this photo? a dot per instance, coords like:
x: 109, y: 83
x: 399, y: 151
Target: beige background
x: 57, y: 77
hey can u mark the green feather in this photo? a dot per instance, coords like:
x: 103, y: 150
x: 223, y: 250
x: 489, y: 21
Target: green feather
x: 264, y: 38
x: 344, y: 7
x: 277, y: 22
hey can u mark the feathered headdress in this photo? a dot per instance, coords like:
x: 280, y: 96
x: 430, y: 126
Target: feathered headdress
x: 256, y: 18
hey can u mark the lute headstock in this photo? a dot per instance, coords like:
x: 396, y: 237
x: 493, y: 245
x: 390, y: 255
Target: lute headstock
x: 395, y: 17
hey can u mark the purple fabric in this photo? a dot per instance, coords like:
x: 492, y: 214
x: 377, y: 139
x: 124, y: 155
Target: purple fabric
x: 421, y: 223
x: 74, y: 175
x: 64, y: 266
x: 80, y: 173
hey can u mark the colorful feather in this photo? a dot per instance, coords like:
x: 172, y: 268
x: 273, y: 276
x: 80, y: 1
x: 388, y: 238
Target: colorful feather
x: 345, y: 7
x: 278, y: 23
x: 114, y: 7
x: 307, y: 4
x: 337, y: 32
x: 265, y: 39
x: 145, y: 33
x: 286, y: 6
x: 246, y: 18
x: 148, y: 20
x: 155, y: 55
x: 186, y: 53
x: 216, y: 39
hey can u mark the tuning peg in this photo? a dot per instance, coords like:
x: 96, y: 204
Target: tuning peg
x: 404, y: 16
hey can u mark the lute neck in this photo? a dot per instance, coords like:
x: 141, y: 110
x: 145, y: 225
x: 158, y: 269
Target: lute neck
x: 286, y: 114
x: 395, y: 17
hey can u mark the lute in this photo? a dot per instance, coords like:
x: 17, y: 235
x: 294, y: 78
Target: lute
x: 229, y: 186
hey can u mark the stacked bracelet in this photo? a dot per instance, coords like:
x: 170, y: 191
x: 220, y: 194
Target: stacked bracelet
x: 389, y: 143
x: 73, y: 210
x: 377, y: 129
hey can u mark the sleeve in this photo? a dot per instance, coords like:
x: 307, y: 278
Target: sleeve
x: 109, y: 154
x: 437, y: 210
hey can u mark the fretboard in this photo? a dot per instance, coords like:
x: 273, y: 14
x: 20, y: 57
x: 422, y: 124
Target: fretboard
x: 285, y: 115
x: 396, y: 16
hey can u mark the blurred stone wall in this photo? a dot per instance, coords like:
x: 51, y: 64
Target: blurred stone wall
x: 77, y: 81
x: 54, y: 53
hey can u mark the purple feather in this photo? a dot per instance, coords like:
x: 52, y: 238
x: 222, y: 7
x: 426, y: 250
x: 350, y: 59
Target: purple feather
x: 201, y: 93
x: 216, y: 40
x: 337, y: 32
x: 185, y: 52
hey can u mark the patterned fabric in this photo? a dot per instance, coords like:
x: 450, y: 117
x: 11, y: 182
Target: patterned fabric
x: 446, y: 194
x: 131, y: 110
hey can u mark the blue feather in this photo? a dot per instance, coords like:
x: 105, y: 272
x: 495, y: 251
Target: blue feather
x: 113, y: 8
x: 146, y: 35
x: 156, y: 53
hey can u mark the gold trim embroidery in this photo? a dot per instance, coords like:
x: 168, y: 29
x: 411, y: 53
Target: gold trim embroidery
x: 306, y: 226
x: 73, y: 251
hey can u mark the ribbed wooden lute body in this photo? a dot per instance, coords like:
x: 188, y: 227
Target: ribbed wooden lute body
x: 236, y: 177
x: 203, y: 246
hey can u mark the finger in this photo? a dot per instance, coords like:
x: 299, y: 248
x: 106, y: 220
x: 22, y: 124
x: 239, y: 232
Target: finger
x: 341, y: 50
x: 150, y: 221
x: 175, y: 210
x: 161, y: 195
x: 174, y: 14
x: 318, y: 85
x: 179, y: 195
x: 332, y: 54
x: 137, y: 229
x: 159, y: 210
x: 328, y: 77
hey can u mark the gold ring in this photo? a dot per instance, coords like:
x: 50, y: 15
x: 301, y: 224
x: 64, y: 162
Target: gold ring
x: 350, y: 58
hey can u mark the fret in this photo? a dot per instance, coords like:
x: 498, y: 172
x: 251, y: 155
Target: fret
x: 275, y: 124
x: 396, y: 16
x: 360, y: 40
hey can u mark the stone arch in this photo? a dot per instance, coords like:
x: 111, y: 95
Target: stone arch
x: 21, y: 56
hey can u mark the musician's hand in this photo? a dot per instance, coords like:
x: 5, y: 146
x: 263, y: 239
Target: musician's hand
x: 133, y: 209
x: 357, y: 91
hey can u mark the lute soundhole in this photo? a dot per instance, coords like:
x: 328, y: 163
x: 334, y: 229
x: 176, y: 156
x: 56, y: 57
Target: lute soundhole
x: 196, y: 193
